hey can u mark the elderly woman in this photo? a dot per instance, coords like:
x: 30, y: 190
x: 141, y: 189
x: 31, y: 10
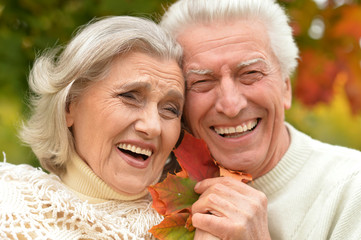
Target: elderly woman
x: 106, y: 115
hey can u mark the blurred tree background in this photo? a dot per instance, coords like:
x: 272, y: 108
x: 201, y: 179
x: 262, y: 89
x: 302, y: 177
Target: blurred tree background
x: 327, y: 85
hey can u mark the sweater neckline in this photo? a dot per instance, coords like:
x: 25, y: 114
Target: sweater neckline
x: 288, y: 167
x: 81, y: 179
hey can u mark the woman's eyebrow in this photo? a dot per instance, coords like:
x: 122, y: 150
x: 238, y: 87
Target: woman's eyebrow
x: 134, y: 85
x: 175, y: 94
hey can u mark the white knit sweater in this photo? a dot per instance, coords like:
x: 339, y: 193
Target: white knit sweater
x: 37, y: 205
x: 314, y: 192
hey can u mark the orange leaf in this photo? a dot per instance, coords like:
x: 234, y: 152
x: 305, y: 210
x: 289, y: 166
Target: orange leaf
x: 182, y: 174
x: 243, y: 177
x: 173, y: 195
x: 157, y: 204
x: 173, y: 227
x: 189, y: 224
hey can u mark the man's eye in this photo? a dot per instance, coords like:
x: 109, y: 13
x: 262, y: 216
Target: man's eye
x: 250, y: 77
x: 201, y: 85
x: 253, y: 72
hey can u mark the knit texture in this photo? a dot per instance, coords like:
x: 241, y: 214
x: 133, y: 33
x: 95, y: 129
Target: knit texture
x: 81, y: 179
x: 37, y: 205
x: 314, y: 192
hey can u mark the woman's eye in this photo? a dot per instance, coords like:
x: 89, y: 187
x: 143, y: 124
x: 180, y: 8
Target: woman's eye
x: 171, y: 111
x: 132, y: 98
x: 129, y: 95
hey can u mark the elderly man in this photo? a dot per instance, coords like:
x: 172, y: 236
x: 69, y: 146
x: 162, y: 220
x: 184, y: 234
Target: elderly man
x: 238, y: 58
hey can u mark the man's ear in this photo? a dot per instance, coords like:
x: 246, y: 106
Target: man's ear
x: 287, y: 93
x: 69, y: 115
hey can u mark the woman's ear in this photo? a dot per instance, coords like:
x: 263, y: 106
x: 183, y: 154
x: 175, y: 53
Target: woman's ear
x: 69, y: 115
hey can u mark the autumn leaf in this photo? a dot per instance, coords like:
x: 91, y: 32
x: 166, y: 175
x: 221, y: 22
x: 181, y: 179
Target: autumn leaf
x: 243, y: 177
x: 173, y: 227
x: 174, y: 197
x: 195, y: 159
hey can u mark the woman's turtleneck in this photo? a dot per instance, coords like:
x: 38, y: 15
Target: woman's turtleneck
x: 81, y: 179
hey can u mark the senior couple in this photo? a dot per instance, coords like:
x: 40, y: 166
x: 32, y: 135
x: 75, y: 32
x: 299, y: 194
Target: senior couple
x: 107, y: 110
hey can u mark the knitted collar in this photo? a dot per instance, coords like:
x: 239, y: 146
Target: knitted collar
x: 81, y: 179
x: 289, y: 165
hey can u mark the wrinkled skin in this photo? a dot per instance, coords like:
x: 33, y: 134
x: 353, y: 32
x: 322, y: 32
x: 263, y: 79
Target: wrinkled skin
x: 237, y: 211
x: 138, y: 104
x: 235, y: 101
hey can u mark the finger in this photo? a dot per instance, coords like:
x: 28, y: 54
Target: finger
x: 213, y: 225
x: 223, y: 219
x: 232, y: 183
x: 220, y: 201
x: 203, y: 235
x: 206, y: 183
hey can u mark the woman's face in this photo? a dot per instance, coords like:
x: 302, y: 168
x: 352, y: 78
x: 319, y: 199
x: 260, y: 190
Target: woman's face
x: 125, y: 125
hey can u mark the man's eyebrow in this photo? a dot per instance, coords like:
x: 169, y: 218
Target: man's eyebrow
x: 199, y: 72
x: 250, y: 62
x: 240, y: 65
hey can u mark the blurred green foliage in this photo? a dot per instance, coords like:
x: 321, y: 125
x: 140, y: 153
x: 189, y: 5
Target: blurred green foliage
x: 29, y: 26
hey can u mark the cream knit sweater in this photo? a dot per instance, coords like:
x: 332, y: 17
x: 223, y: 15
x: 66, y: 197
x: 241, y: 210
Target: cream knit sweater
x: 37, y: 205
x: 314, y: 192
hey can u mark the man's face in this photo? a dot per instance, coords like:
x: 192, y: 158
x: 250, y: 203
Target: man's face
x: 236, y: 95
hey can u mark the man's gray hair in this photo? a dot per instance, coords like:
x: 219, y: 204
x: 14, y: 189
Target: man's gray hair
x: 187, y: 12
x: 60, y: 75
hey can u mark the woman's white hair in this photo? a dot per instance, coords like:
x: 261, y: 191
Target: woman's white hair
x: 60, y: 75
x: 190, y: 12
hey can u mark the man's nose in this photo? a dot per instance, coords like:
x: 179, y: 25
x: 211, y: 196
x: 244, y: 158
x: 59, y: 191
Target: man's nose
x: 230, y: 99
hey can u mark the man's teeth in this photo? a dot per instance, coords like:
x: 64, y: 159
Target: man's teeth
x: 238, y: 129
x: 135, y: 149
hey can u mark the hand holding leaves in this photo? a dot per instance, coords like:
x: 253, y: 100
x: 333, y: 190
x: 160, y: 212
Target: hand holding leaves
x: 173, y: 198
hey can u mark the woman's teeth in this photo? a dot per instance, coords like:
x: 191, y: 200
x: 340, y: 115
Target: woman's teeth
x: 135, y: 149
x: 236, y: 131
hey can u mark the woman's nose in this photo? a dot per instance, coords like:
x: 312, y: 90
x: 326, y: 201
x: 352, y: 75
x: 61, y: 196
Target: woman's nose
x: 149, y: 122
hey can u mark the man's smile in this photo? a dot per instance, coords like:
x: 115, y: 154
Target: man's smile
x: 236, y: 131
